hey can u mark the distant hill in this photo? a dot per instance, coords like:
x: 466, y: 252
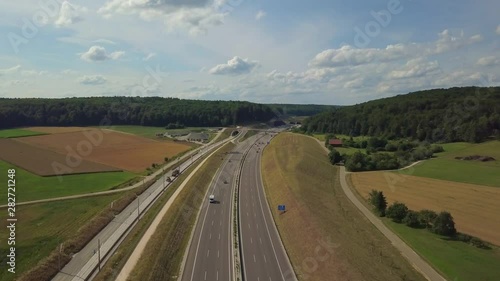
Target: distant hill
x: 147, y: 111
x: 469, y: 114
x: 287, y: 110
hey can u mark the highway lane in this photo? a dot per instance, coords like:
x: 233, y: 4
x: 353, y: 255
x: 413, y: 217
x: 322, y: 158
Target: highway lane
x: 84, y: 263
x: 210, y: 254
x: 263, y: 255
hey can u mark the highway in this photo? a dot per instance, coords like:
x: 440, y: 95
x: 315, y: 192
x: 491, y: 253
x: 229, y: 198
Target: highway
x: 263, y: 255
x: 210, y: 254
x: 85, y: 263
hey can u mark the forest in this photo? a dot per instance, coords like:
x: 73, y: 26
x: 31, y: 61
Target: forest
x: 147, y: 111
x: 470, y: 114
x: 300, y: 109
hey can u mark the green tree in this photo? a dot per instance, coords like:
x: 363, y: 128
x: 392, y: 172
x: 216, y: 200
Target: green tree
x: 397, y: 212
x: 334, y: 156
x: 411, y: 219
x: 444, y: 225
x: 426, y: 218
x: 377, y: 199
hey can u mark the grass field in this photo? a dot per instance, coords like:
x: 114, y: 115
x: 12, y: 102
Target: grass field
x: 32, y: 187
x: 446, y: 167
x: 15, y: 133
x: 224, y: 135
x: 456, y: 260
x: 475, y: 208
x: 41, y: 227
x: 58, y: 130
x: 325, y: 236
x: 167, y: 246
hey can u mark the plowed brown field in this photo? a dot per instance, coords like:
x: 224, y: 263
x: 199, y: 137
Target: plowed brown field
x: 40, y: 161
x: 124, y: 151
x: 56, y: 130
x: 475, y: 208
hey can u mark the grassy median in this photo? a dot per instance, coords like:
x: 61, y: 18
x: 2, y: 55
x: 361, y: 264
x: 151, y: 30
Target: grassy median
x: 166, y: 248
x: 325, y: 235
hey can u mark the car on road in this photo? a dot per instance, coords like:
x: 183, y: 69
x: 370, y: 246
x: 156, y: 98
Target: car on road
x: 211, y: 198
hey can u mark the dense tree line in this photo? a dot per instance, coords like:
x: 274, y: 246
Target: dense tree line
x: 300, y: 109
x: 469, y: 114
x: 147, y: 111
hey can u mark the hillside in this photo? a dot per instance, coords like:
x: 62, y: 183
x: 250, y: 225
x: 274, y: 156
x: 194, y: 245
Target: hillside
x: 470, y: 114
x: 300, y: 109
x: 147, y: 111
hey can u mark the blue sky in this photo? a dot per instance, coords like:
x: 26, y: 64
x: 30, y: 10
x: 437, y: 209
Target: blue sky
x: 325, y: 52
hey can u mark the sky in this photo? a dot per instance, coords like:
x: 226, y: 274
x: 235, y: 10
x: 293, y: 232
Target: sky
x: 310, y: 52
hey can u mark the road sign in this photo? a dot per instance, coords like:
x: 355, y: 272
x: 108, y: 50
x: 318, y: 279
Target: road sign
x: 281, y: 207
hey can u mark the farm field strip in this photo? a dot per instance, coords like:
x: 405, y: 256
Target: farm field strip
x: 472, y: 206
x: 14, y: 133
x: 123, y: 151
x: 34, y: 187
x: 43, y: 162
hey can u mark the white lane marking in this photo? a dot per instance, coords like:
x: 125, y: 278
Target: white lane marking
x: 254, y: 260
x: 249, y: 226
x: 257, y: 226
x: 265, y: 260
x: 260, y: 240
x: 218, y: 254
x: 220, y: 222
x: 247, y: 214
x: 215, y: 211
x: 205, y: 275
x: 251, y: 240
x: 217, y: 275
x: 212, y: 222
x: 210, y: 238
x: 208, y: 253
x: 219, y: 236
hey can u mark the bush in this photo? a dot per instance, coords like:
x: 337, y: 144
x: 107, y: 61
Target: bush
x: 426, y: 218
x: 391, y: 147
x: 411, y: 219
x: 397, y: 212
x: 334, y: 156
x: 437, y: 149
x: 444, y: 225
x: 377, y: 199
x: 479, y: 243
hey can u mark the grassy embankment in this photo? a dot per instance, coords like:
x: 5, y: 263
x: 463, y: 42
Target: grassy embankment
x: 325, y: 236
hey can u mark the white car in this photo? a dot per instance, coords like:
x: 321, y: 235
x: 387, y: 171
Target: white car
x: 211, y: 198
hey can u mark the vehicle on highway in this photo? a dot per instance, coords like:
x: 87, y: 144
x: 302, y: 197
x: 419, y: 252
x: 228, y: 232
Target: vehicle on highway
x: 176, y: 172
x: 211, y: 198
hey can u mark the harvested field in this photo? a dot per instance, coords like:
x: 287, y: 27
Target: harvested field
x: 475, y: 208
x: 40, y: 161
x: 124, y: 151
x: 57, y: 130
x: 325, y: 235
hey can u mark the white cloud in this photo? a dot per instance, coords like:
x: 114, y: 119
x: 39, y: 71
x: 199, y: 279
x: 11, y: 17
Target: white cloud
x: 351, y: 56
x: 69, y: 14
x: 415, y: 68
x: 234, y: 66
x: 195, y: 16
x: 149, y: 56
x: 92, y: 80
x: 98, y: 53
x: 498, y: 29
x: 488, y: 61
x: 10, y: 70
x: 105, y: 41
x: 260, y: 14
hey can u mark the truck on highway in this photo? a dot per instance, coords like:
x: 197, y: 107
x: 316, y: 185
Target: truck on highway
x: 176, y: 172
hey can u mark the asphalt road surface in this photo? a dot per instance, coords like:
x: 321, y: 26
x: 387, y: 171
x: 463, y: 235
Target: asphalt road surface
x: 210, y: 255
x: 263, y: 255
